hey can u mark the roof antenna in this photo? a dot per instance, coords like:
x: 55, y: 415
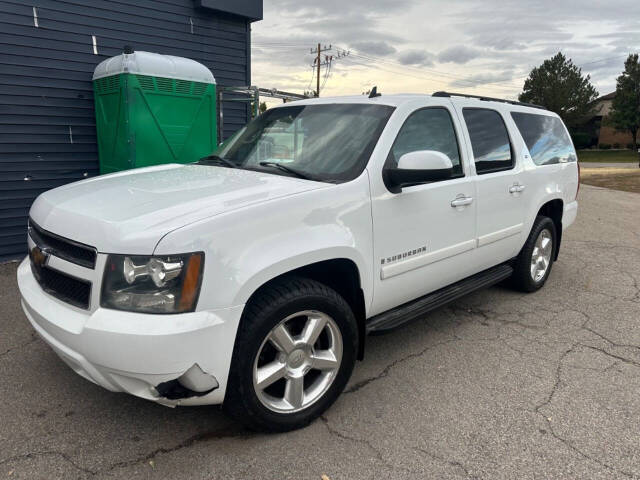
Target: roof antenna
x: 374, y: 93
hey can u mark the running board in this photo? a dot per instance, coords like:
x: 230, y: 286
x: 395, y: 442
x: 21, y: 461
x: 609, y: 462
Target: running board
x: 414, y: 309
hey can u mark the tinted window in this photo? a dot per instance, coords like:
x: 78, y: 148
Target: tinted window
x: 428, y: 129
x: 330, y: 142
x: 489, y: 140
x: 546, y: 138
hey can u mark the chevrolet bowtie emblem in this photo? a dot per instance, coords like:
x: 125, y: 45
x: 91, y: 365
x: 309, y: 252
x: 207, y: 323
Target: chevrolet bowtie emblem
x: 39, y: 257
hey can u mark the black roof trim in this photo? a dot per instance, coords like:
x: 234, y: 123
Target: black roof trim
x: 487, y: 99
x: 250, y: 9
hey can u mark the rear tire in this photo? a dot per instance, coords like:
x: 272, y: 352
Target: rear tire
x: 294, y: 353
x: 533, y: 263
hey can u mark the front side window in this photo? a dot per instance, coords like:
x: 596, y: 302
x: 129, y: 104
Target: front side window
x: 331, y: 142
x: 428, y: 129
x: 489, y: 140
x: 546, y: 138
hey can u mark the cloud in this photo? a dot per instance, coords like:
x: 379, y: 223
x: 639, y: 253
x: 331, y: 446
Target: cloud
x: 338, y: 7
x: 480, y: 79
x: 379, y: 48
x: 502, y: 43
x: 416, y: 57
x: 458, y: 54
x: 477, y: 42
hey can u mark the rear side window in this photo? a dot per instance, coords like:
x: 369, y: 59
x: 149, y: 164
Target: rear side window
x: 428, y: 129
x: 489, y: 140
x: 546, y: 138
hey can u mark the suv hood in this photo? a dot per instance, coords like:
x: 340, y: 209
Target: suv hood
x: 129, y: 212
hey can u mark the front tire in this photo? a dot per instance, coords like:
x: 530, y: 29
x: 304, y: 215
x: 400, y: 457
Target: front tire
x: 294, y: 353
x: 533, y: 264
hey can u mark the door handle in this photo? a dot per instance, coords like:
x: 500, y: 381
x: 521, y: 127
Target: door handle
x: 516, y: 188
x: 461, y: 201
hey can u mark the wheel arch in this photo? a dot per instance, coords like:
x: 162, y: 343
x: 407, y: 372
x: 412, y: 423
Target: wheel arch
x: 342, y: 274
x: 554, y: 209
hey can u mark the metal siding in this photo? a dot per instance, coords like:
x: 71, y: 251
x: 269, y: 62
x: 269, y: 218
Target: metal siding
x: 45, y: 85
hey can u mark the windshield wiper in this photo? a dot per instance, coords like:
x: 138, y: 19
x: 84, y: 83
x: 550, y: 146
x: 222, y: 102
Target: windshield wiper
x: 217, y: 159
x: 284, y: 168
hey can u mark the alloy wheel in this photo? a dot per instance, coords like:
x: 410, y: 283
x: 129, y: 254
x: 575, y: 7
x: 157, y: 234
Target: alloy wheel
x: 541, y: 255
x: 297, y: 361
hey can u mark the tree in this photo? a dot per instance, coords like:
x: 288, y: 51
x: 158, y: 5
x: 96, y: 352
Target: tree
x: 625, y: 108
x: 559, y: 85
x: 263, y: 107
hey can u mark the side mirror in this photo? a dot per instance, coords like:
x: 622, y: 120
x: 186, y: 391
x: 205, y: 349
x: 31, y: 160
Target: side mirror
x: 418, y: 167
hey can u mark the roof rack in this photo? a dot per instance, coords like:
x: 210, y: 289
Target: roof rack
x: 487, y: 99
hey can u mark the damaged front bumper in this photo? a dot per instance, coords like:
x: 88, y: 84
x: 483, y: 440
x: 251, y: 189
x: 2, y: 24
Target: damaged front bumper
x: 181, y: 359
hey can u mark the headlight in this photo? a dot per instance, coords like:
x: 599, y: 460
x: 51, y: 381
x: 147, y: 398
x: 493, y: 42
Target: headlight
x: 159, y: 284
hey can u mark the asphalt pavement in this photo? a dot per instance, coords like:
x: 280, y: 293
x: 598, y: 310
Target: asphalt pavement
x: 498, y: 385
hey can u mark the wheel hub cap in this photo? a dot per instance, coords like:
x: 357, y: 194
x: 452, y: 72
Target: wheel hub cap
x: 296, y: 358
x: 297, y: 362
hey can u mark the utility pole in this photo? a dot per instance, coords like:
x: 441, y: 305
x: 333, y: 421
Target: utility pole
x: 318, y: 73
x: 317, y: 62
x: 328, y: 60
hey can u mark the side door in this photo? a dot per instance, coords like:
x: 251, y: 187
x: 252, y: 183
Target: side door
x: 501, y: 191
x: 423, y: 241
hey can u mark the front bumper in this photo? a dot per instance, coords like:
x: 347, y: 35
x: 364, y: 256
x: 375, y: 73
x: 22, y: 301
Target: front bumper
x: 133, y: 352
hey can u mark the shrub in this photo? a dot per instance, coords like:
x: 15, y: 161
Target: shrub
x: 616, y: 145
x: 581, y: 140
x: 604, y: 146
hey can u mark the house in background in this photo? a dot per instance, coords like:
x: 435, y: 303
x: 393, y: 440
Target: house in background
x: 50, y: 49
x: 603, y: 134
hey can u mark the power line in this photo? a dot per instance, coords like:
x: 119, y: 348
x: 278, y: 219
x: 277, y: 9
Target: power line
x: 328, y: 61
x: 313, y: 74
x: 423, y: 72
x: 603, y: 60
x: 317, y: 62
x: 405, y: 74
x: 469, y: 80
x: 327, y: 73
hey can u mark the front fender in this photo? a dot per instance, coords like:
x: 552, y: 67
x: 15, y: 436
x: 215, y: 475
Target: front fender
x: 268, y: 268
x: 247, y: 247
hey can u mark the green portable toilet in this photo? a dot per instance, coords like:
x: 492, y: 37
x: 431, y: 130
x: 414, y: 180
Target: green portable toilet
x: 153, y: 109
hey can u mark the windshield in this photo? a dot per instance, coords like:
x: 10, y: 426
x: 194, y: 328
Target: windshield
x: 321, y: 142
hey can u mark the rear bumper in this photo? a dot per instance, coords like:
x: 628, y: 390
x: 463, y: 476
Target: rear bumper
x: 569, y: 214
x: 131, y: 352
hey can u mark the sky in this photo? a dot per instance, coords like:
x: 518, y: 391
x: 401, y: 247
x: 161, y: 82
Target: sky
x: 422, y: 46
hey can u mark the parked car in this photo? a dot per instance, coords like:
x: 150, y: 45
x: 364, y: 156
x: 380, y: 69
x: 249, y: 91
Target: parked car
x: 252, y: 277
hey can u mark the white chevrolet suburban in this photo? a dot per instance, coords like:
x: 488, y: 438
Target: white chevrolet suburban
x: 252, y: 276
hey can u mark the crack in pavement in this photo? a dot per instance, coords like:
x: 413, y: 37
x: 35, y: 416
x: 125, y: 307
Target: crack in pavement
x: 47, y: 453
x: 609, y: 354
x: 377, y: 453
x: 608, y: 340
x: 189, y: 442
x: 549, y: 400
x: 385, y: 371
x: 34, y: 338
x: 453, y: 463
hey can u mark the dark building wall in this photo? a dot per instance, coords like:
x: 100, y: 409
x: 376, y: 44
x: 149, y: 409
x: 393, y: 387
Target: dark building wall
x: 47, y: 125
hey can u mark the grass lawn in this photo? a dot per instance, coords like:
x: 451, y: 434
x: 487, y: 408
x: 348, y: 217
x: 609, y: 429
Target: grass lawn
x: 614, y: 156
x: 615, y: 178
